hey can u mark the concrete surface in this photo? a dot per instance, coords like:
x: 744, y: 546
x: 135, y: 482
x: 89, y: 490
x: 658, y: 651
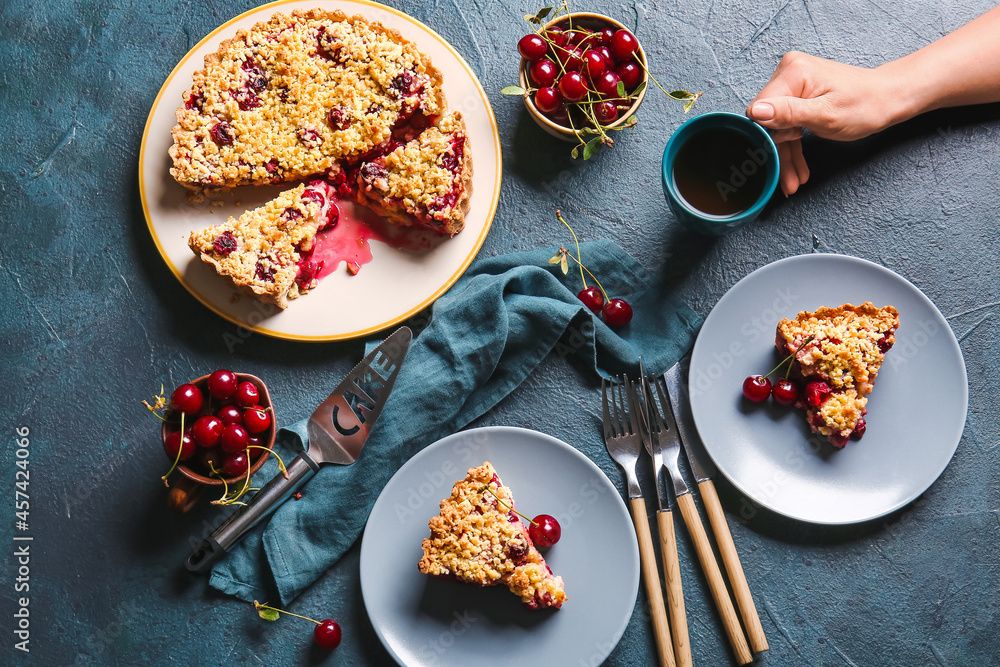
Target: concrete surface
x: 93, y: 322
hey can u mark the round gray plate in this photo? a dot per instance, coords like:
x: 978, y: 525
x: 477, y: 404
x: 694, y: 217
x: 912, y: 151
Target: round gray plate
x: 916, y: 412
x: 425, y: 621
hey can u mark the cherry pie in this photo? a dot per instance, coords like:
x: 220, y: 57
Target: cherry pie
x: 267, y: 251
x: 840, y: 364
x: 478, y: 538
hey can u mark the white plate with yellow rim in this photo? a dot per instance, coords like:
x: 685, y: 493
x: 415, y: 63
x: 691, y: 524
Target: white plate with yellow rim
x: 396, y: 284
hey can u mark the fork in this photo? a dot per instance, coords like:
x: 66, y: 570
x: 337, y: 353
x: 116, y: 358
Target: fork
x: 624, y: 445
x: 663, y: 429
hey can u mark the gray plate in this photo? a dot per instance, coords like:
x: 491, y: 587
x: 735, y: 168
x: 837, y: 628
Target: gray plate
x: 425, y: 621
x: 916, y: 413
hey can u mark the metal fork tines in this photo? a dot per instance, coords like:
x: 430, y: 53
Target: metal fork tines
x: 624, y: 443
x: 663, y: 434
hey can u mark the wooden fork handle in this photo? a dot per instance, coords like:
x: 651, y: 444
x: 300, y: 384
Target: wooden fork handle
x: 716, y: 585
x: 651, y: 576
x: 675, y: 593
x: 737, y: 579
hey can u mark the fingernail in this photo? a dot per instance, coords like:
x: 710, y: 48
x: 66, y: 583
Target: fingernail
x: 762, y: 111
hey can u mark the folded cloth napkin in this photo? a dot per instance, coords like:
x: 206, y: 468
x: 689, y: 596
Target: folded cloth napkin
x: 485, y: 336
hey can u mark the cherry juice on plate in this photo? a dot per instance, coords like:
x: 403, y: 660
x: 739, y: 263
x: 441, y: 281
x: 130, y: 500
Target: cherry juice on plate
x: 720, y: 171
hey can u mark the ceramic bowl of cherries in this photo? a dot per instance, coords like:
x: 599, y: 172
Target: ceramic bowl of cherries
x: 582, y: 74
x: 228, y: 432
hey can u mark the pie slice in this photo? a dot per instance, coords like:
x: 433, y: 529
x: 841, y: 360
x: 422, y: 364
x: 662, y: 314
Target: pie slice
x: 426, y: 182
x: 478, y: 538
x: 839, y: 364
x: 293, y: 96
x: 267, y: 251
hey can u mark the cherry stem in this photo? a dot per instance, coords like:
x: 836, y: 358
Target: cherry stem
x: 281, y: 464
x: 804, y: 343
x: 180, y: 448
x: 500, y: 500
x: 258, y: 606
x: 575, y: 240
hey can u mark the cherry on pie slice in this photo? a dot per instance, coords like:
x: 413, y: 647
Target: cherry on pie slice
x: 425, y: 182
x: 840, y: 364
x: 267, y: 251
x: 478, y: 538
x: 295, y: 96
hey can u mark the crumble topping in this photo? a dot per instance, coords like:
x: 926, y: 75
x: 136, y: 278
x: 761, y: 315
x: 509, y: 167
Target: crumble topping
x: 295, y: 94
x: 266, y: 250
x: 477, y: 539
x: 427, y: 181
x: 848, y: 347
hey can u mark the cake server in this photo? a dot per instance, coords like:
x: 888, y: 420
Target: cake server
x: 337, y: 430
x: 694, y: 450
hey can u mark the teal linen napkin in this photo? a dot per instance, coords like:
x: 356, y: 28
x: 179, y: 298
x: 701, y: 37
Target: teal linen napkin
x: 485, y: 336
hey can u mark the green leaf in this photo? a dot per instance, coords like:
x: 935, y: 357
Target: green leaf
x: 513, y: 90
x: 621, y: 89
x: 542, y: 13
x: 268, y: 614
x: 638, y: 89
x: 575, y: 153
x: 556, y: 258
x: 690, y: 104
x: 588, y: 150
x: 681, y: 95
x: 564, y: 265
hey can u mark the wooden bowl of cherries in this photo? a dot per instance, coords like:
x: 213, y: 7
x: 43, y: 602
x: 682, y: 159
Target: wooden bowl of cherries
x: 228, y: 432
x: 583, y: 74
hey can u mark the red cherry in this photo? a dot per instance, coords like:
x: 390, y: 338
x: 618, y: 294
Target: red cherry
x: 235, y: 465
x: 547, y: 100
x: 544, y: 72
x: 594, y: 64
x: 256, y: 419
x: 207, y: 431
x: 212, y: 455
x: 234, y: 438
x: 572, y: 59
x: 560, y: 116
x: 327, y: 634
x: 187, y: 398
x: 630, y: 74
x: 247, y: 395
x: 545, y: 531
x: 607, y: 84
x: 222, y: 384
x: 859, y: 428
x: 606, y: 52
x: 606, y: 112
x: 606, y: 36
x: 617, y: 312
x: 577, y: 36
x: 173, y: 442
x: 785, y: 392
x: 230, y: 415
x: 573, y: 87
x: 532, y: 47
x: 837, y: 440
x: 592, y: 298
x: 557, y: 36
x: 816, y: 393
x: 623, y: 45
x: 757, y: 388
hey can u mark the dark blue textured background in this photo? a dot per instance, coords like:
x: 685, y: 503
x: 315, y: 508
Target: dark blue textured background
x: 93, y: 322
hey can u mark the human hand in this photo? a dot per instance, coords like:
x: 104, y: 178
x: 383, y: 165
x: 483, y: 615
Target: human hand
x: 833, y: 100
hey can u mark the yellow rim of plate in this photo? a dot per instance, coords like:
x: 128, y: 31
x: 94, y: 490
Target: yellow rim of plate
x: 353, y: 334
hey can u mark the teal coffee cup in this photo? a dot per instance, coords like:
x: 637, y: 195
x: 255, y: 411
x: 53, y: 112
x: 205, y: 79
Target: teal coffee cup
x: 719, y: 171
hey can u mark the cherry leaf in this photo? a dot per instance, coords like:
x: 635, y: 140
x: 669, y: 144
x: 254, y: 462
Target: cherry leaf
x: 588, y: 150
x: 513, y: 90
x: 638, y: 89
x: 680, y: 95
x: 564, y: 264
x: 556, y: 258
x: 621, y: 89
x: 575, y: 153
x: 268, y: 614
x: 542, y: 13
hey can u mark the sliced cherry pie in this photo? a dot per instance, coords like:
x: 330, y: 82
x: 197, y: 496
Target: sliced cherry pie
x: 293, y: 96
x: 478, y: 538
x: 840, y: 364
x: 267, y: 251
x: 426, y: 182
